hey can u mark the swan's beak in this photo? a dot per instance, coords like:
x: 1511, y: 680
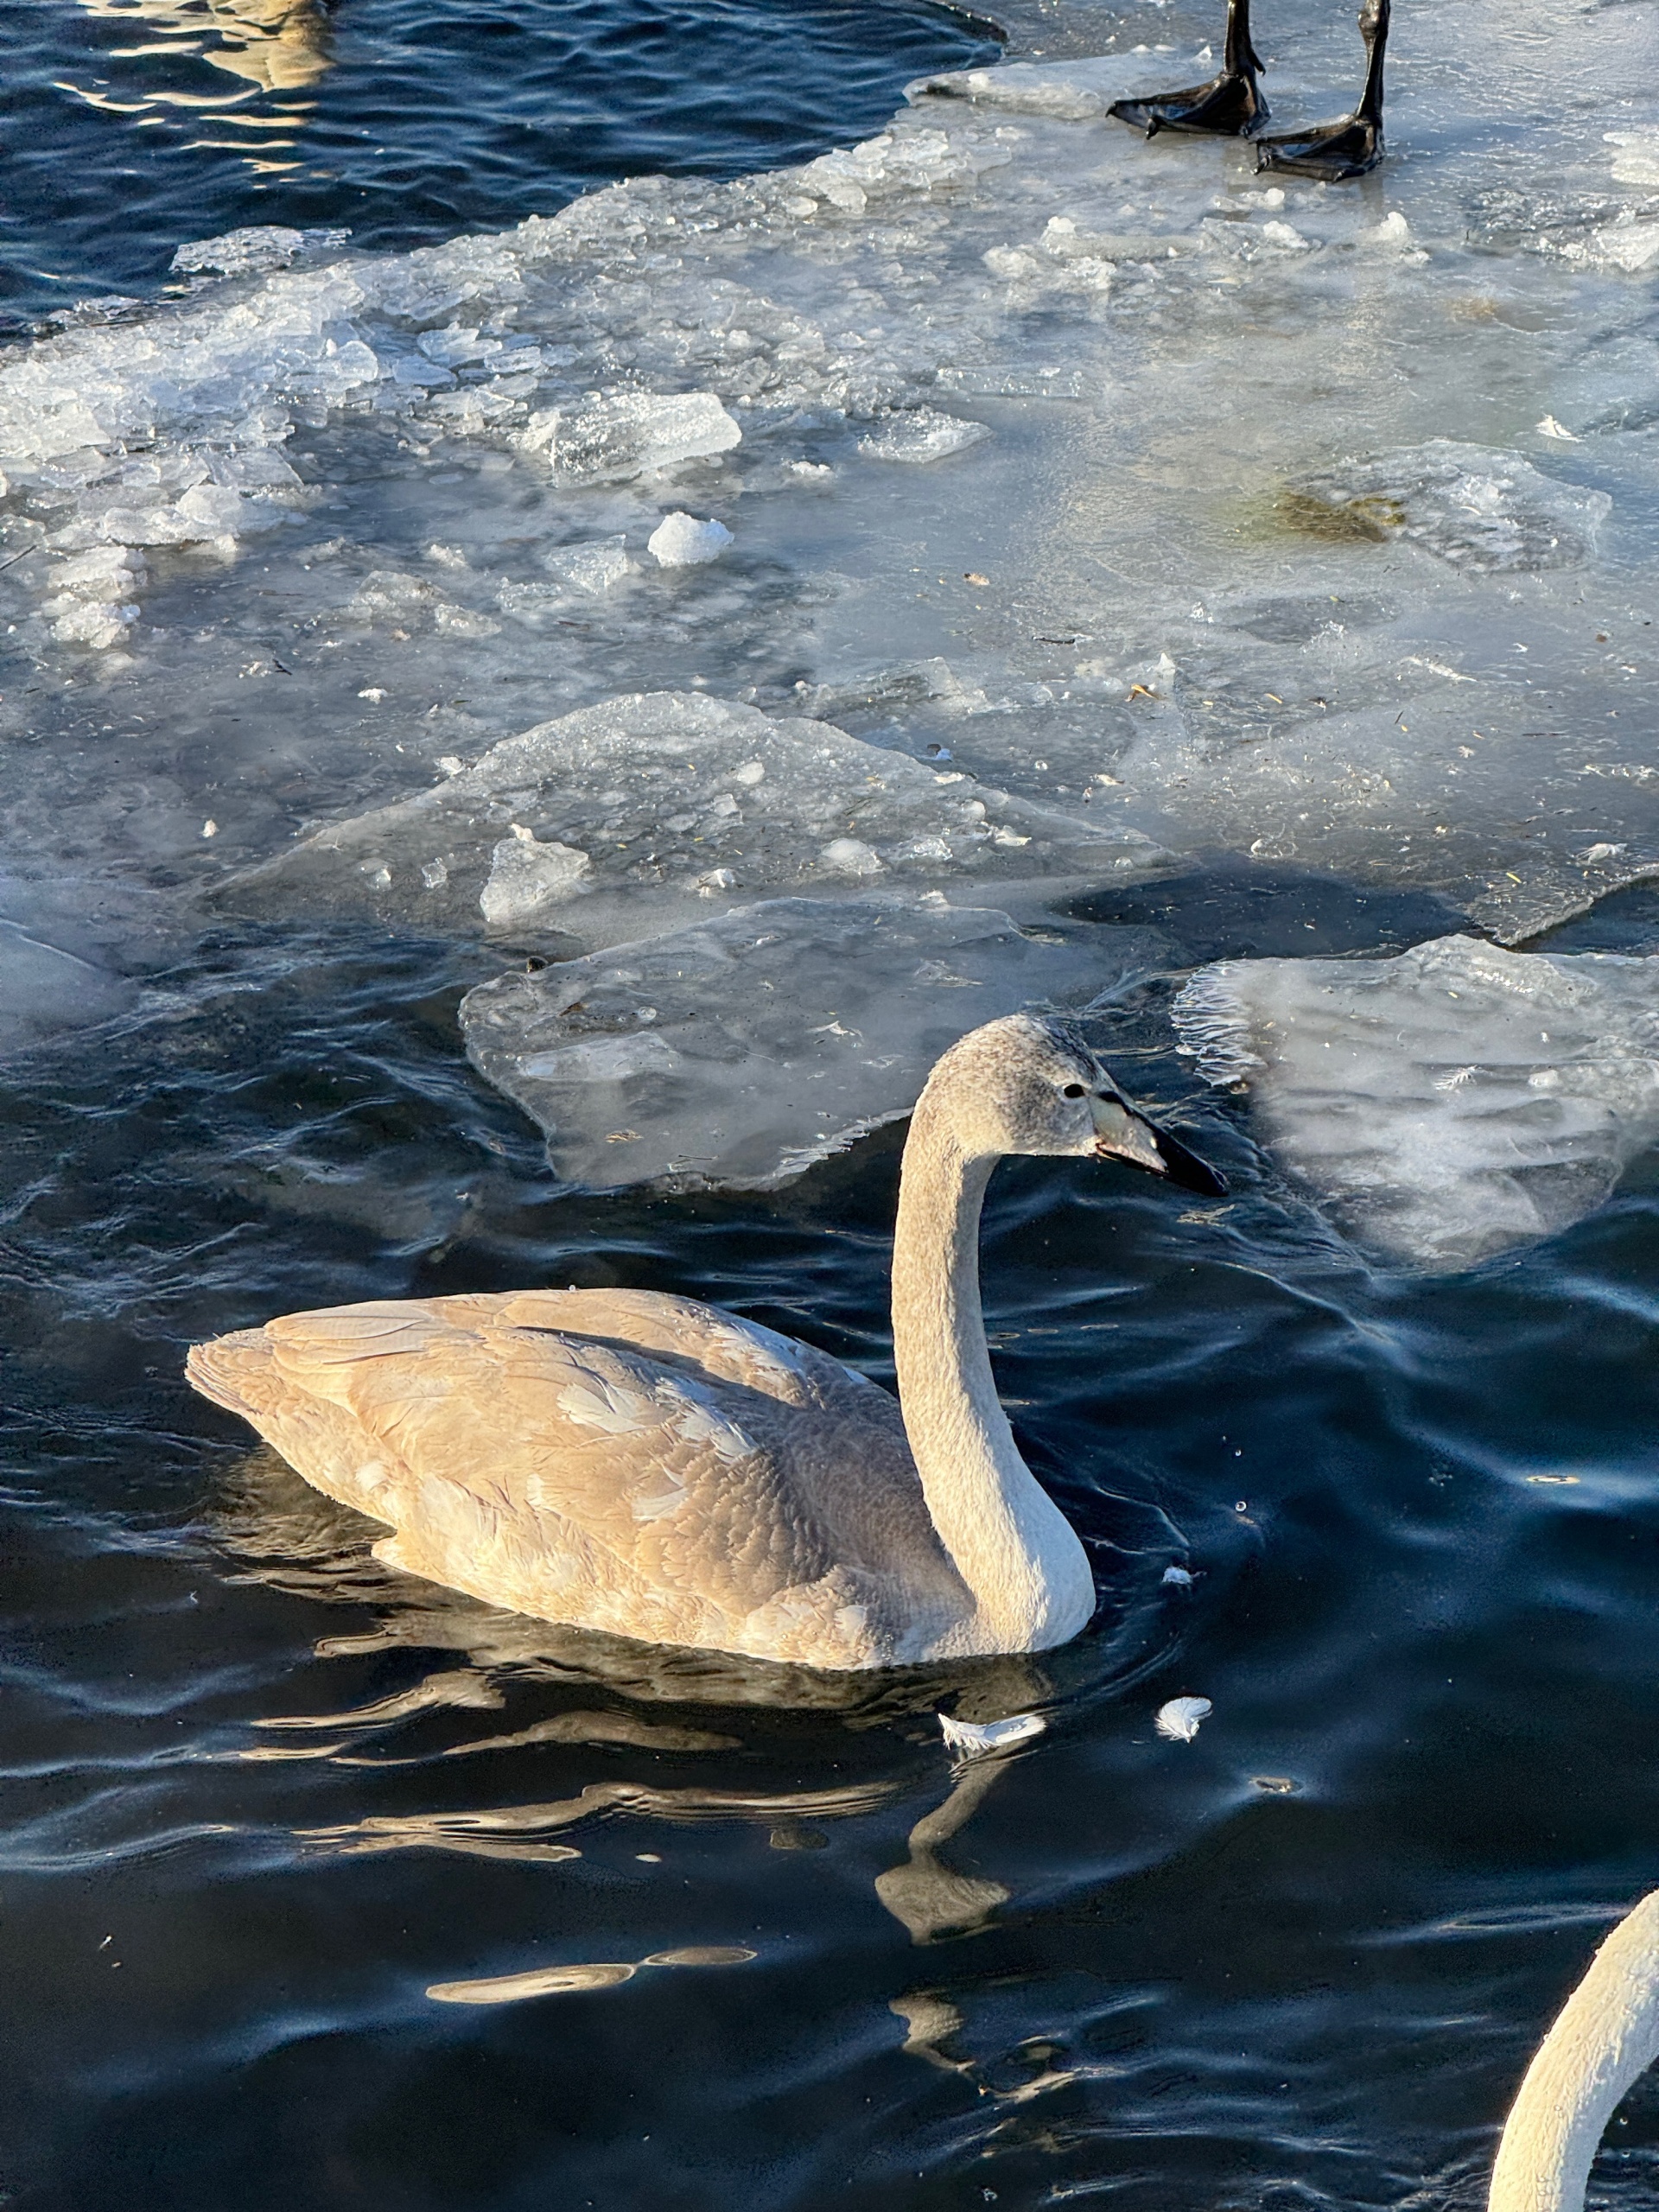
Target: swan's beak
x: 1121, y: 1133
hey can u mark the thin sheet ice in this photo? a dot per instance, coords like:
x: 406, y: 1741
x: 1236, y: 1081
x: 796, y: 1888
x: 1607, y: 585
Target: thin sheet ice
x: 1450, y: 1102
x: 598, y: 825
x: 739, y: 1051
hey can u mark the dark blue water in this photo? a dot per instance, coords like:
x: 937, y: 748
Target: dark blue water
x: 1298, y: 1962
x: 129, y: 126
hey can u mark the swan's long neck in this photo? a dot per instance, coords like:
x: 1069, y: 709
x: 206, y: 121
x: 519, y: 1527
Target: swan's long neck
x: 1010, y: 1544
x: 1607, y: 2033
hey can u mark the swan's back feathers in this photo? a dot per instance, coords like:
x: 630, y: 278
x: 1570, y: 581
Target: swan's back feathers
x: 632, y: 1462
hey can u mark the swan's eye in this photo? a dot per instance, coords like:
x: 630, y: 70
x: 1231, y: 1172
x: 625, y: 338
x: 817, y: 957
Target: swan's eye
x: 1071, y: 1090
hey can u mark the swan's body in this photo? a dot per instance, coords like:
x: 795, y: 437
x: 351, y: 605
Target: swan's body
x: 649, y: 1466
x: 1607, y: 2033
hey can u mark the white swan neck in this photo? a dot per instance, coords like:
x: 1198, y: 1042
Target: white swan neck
x: 1010, y: 1544
x: 1607, y: 2033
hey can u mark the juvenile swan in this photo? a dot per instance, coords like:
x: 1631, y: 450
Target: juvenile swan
x: 649, y: 1466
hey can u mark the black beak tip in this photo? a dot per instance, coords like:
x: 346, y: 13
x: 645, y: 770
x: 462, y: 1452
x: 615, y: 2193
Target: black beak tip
x: 1185, y: 1170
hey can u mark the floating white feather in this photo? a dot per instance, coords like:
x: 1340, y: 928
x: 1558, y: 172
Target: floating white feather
x: 1179, y: 1719
x: 971, y: 1739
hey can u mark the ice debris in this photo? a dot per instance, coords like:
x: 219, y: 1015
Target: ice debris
x: 630, y: 433
x: 629, y: 815
x: 738, y: 1053
x: 1314, y: 659
x: 921, y: 434
x: 592, y: 568
x: 73, y: 951
x: 1180, y: 1718
x: 1451, y: 1103
x: 1480, y: 510
x: 250, y: 252
x: 1637, y: 159
x: 526, y: 877
x: 680, y: 541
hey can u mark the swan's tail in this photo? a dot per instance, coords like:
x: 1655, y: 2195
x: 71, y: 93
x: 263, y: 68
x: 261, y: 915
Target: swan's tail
x: 234, y: 1371
x: 1213, y: 1024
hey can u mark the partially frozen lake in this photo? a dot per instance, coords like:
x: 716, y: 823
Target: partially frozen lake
x: 519, y: 750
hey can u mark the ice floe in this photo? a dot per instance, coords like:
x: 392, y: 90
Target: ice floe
x: 739, y: 1051
x: 72, y: 953
x: 609, y: 821
x: 1449, y: 1102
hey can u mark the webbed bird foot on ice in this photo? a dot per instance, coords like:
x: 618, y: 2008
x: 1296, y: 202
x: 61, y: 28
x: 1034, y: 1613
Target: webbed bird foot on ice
x: 1230, y: 104
x: 1335, y: 151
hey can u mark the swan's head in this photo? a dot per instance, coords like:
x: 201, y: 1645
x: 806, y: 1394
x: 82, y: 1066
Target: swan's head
x: 1029, y: 1085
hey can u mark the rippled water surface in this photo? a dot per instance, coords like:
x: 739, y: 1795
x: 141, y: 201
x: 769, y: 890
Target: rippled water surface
x: 744, y: 1935
x: 131, y: 125
x: 1298, y: 1960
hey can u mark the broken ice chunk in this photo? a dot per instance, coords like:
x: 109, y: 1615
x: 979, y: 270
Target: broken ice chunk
x: 1636, y: 161
x: 1481, y: 511
x: 70, y: 952
x: 921, y: 434
x: 680, y: 541
x: 627, y: 432
x: 850, y: 856
x: 89, y: 602
x: 1180, y: 1720
x: 1071, y: 91
x: 739, y: 1051
x: 525, y: 877
x: 1451, y: 1103
x: 662, y: 791
x: 596, y: 568
x: 251, y: 251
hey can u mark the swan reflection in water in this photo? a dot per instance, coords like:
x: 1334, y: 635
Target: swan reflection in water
x: 276, y: 49
x: 285, y: 1536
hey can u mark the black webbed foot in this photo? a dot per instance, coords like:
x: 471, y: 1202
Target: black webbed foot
x: 1336, y: 151
x: 1230, y: 104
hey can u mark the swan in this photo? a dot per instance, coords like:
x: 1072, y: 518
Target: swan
x: 1607, y: 2033
x: 652, y: 1467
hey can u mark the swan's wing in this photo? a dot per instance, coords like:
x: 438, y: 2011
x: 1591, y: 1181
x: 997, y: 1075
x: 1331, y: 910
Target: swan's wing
x: 849, y: 1457
x: 517, y: 1462
x: 725, y: 1344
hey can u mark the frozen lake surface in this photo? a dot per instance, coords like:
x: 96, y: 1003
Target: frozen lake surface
x: 529, y: 719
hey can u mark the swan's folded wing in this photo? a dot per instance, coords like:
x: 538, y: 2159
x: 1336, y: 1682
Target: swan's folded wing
x: 729, y: 1347
x: 548, y: 1453
x: 844, y: 1445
